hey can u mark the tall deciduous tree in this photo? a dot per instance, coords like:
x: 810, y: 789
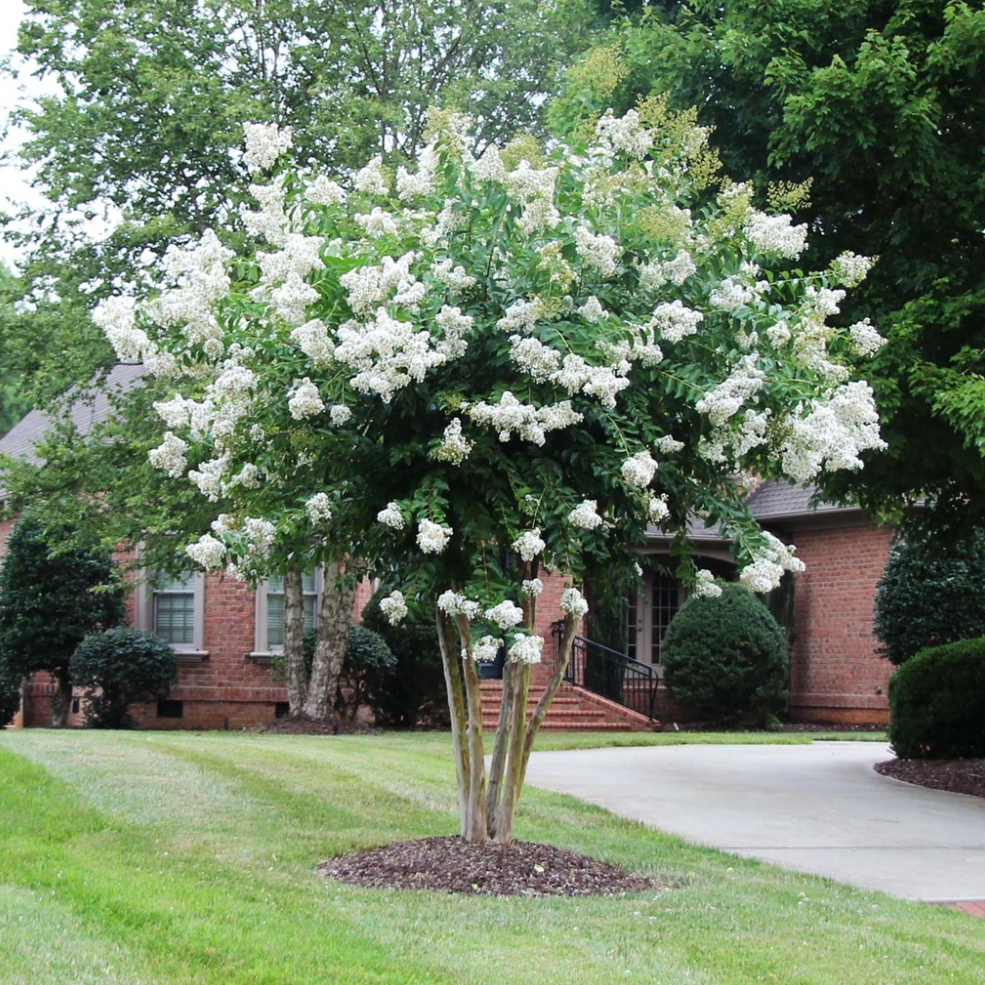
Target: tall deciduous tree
x: 472, y: 371
x: 880, y: 105
x: 51, y: 596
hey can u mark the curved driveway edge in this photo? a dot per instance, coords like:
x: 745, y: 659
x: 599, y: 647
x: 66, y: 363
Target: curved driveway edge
x: 819, y: 808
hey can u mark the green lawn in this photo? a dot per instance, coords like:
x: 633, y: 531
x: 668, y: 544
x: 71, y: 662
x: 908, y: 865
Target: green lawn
x: 186, y: 858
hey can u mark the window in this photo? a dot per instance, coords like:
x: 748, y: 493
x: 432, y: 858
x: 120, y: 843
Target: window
x: 270, y: 610
x: 173, y: 607
x: 170, y: 709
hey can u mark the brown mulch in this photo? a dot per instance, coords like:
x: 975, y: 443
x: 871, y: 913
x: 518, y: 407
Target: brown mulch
x: 298, y: 725
x: 455, y: 866
x: 956, y: 775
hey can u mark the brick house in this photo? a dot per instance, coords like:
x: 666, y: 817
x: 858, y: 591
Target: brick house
x: 225, y: 633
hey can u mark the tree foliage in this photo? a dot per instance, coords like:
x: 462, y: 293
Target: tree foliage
x: 937, y: 703
x: 367, y: 673
x: 869, y: 119
x: 117, y: 668
x: 52, y: 594
x: 727, y: 657
x: 929, y: 594
x: 10, y: 693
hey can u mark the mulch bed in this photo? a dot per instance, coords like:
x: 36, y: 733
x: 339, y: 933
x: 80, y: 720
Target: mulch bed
x: 455, y: 866
x: 297, y: 725
x: 956, y: 775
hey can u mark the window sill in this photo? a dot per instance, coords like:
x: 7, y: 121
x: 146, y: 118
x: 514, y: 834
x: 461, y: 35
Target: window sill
x: 191, y: 656
x: 262, y: 658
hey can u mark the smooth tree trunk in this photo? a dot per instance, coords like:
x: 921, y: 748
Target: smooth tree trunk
x: 455, y: 688
x: 335, y: 619
x: 61, y: 701
x: 477, y: 827
x: 297, y: 673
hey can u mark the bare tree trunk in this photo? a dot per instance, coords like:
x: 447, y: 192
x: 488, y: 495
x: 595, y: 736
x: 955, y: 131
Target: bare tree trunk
x: 513, y: 779
x: 61, y: 701
x: 448, y: 642
x: 477, y: 830
x: 335, y: 619
x: 499, y: 751
x: 297, y: 673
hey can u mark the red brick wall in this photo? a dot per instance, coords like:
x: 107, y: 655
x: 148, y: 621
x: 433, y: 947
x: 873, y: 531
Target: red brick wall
x: 836, y: 676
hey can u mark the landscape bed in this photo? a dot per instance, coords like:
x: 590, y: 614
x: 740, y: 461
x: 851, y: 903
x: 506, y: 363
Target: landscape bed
x: 180, y: 857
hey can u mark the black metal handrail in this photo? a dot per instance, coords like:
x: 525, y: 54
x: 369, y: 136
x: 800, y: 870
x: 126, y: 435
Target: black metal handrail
x: 609, y: 673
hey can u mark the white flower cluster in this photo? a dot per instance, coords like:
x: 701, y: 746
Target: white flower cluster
x: 506, y: 615
x: 370, y: 286
x: 768, y: 565
x: 394, y: 608
x: 432, y: 538
x: 371, y: 178
x: 592, y: 310
x: 169, y: 456
x: 624, y: 134
x: 534, y: 190
x: 456, y: 604
x: 390, y: 516
x: 657, y: 273
x: 116, y: 316
x: 386, y: 353
x: 305, y: 401
x: 484, y: 649
x: 573, y: 603
x: 668, y: 444
x: 377, y: 223
x: 850, y: 269
x: 452, y: 275
x: 259, y: 534
x: 657, y: 509
x: 526, y: 649
x: 529, y: 544
x: 318, y: 509
x: 422, y: 183
x: 532, y: 586
x: 775, y: 234
x: 522, y: 316
x: 312, y: 339
x: 339, y: 414
x: 585, y: 515
x: 207, y: 552
x: 453, y: 448
x: 833, y: 433
x: 639, y: 469
x: 323, y: 191
x: 676, y: 321
x: 265, y: 142
x: 739, y: 289
x: 727, y: 399
x: 599, y: 252
x: 489, y: 167
x: 704, y: 585
x: 531, y: 424
x: 866, y: 340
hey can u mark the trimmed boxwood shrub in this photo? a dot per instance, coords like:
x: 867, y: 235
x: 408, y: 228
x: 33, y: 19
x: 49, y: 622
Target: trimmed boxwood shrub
x: 727, y: 658
x: 928, y: 595
x: 118, y: 668
x: 367, y: 672
x: 415, y: 694
x: 937, y: 703
x: 10, y: 693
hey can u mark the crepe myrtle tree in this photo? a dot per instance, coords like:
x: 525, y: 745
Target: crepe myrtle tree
x: 483, y: 369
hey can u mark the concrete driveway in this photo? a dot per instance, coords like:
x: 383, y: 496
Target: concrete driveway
x: 819, y: 808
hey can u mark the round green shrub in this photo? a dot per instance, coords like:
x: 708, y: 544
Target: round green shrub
x: 937, y: 703
x: 10, y: 693
x: 120, y: 667
x: 726, y: 657
x: 415, y: 693
x: 367, y: 671
x: 930, y: 594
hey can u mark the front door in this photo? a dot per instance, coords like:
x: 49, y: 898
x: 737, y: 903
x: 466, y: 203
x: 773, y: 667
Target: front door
x: 650, y: 612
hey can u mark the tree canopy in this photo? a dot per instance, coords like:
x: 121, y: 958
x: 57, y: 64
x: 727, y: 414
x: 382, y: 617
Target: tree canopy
x: 457, y: 372
x: 880, y: 106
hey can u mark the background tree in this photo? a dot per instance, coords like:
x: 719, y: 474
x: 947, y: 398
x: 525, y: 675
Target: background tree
x: 51, y: 595
x: 878, y: 106
x: 117, y: 668
x: 930, y: 594
x: 466, y: 372
x: 10, y: 693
